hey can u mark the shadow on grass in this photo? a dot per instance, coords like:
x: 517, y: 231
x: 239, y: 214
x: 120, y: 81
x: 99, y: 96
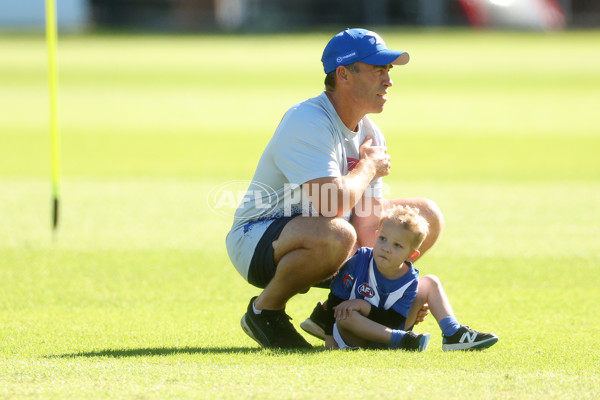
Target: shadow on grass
x: 168, y: 351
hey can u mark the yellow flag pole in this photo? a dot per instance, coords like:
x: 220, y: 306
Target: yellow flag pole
x: 51, y: 34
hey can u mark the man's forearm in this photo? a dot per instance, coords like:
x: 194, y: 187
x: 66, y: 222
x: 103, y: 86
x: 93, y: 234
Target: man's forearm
x: 334, y: 197
x: 351, y: 187
x: 356, y: 182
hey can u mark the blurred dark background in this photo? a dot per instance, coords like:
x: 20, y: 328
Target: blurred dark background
x: 282, y: 15
x: 290, y: 14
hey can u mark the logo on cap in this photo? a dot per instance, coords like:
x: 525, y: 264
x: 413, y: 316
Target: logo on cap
x: 342, y: 58
x: 375, y: 38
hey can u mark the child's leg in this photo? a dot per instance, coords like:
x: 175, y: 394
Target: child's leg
x: 432, y: 292
x: 358, y: 330
x: 456, y: 336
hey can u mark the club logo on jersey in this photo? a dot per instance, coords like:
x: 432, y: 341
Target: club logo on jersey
x: 352, y: 163
x: 366, y: 290
x: 348, y: 281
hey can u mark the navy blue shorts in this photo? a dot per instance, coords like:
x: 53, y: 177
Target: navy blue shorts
x: 262, y: 267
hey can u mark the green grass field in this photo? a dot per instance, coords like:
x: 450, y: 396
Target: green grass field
x: 135, y: 297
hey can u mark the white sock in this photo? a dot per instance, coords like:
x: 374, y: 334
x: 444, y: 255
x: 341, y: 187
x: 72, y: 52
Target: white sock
x: 257, y: 312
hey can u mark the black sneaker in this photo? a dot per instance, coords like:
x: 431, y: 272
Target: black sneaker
x: 415, y: 341
x: 315, y: 324
x: 468, y: 339
x: 272, y: 329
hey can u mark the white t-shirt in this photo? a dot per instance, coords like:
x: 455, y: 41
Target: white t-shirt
x: 310, y: 142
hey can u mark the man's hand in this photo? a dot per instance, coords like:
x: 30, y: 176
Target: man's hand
x: 422, y: 314
x: 377, y: 155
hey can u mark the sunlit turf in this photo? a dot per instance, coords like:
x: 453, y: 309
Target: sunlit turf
x: 134, y: 296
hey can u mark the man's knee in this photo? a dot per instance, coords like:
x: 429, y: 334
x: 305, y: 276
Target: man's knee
x: 329, y: 239
x: 342, y: 234
x: 335, y: 242
x: 333, y: 234
x: 432, y: 212
x: 430, y: 282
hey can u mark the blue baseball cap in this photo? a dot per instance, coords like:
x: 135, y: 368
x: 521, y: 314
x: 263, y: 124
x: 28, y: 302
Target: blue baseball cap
x: 358, y: 44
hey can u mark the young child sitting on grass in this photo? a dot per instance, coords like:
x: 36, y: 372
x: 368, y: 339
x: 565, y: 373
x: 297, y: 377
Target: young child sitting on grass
x: 375, y: 297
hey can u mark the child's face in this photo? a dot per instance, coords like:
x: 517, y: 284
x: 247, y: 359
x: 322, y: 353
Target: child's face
x: 393, y: 245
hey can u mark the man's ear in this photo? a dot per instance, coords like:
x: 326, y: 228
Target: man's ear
x: 413, y: 256
x: 342, y: 73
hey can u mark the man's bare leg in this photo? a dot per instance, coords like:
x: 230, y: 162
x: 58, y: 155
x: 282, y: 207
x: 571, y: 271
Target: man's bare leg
x: 308, y: 250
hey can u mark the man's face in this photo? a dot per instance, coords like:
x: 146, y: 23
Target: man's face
x: 370, y: 85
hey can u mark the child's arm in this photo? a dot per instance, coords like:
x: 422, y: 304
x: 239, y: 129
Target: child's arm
x: 389, y: 318
x: 356, y: 329
x: 342, y: 311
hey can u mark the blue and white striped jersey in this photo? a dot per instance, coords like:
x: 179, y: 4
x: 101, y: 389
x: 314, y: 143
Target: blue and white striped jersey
x: 359, y: 278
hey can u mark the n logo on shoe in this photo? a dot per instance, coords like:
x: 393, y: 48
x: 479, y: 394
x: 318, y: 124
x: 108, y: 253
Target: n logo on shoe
x: 468, y: 338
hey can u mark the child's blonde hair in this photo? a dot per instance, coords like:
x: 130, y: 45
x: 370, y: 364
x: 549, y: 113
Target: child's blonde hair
x: 409, y: 218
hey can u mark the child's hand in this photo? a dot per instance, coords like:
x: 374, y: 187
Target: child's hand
x: 422, y: 314
x: 343, y: 310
